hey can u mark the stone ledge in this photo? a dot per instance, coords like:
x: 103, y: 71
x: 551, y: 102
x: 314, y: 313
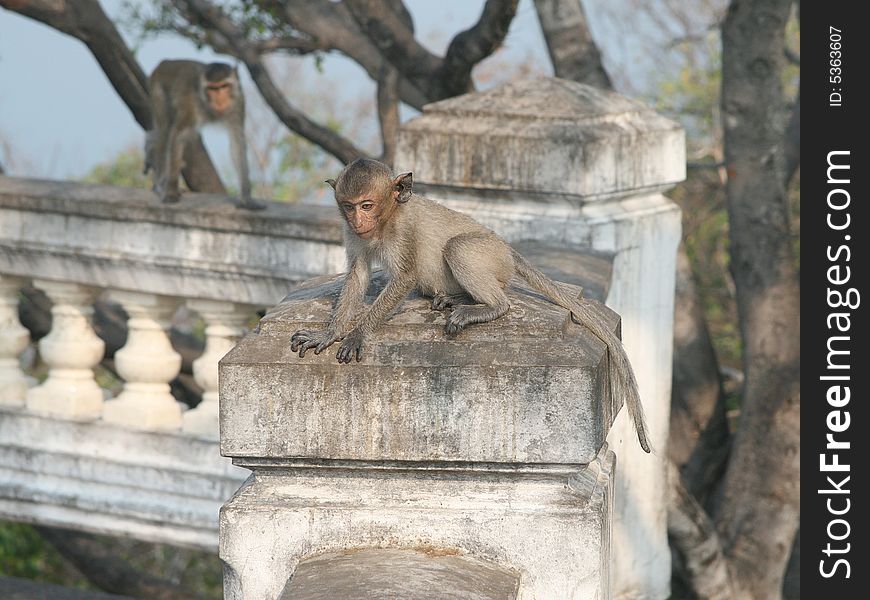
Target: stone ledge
x: 162, y: 487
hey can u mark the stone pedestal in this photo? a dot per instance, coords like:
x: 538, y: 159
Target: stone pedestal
x: 487, y: 446
x: 563, y: 163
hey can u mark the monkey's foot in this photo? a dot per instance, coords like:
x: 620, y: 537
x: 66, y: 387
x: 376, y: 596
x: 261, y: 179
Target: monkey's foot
x: 463, y: 316
x: 250, y: 205
x: 445, y: 301
x: 304, y: 340
x: 350, y: 348
x: 170, y: 198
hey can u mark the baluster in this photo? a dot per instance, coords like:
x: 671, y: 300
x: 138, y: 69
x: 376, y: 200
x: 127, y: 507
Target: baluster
x: 147, y: 363
x: 224, y: 326
x: 71, y: 350
x: 14, y: 339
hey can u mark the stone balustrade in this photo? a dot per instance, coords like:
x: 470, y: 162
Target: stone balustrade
x: 78, y: 242
x: 572, y: 176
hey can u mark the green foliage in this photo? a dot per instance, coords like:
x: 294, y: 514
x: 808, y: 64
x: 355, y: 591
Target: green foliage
x: 125, y: 169
x: 23, y: 553
x: 691, y: 94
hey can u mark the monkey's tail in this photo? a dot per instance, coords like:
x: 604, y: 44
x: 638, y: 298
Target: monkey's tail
x: 623, y: 383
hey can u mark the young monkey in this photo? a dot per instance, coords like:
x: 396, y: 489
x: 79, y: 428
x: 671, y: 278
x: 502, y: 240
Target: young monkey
x: 444, y: 255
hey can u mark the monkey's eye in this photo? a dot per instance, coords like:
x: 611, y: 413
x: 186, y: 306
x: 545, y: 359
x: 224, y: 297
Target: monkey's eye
x: 367, y: 205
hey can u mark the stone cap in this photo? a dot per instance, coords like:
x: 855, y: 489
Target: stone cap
x: 544, y: 135
x: 531, y: 387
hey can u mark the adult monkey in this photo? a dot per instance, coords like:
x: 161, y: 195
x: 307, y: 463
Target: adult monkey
x: 445, y: 255
x: 185, y: 95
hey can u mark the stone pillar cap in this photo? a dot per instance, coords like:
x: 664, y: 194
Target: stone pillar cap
x: 543, y: 135
x: 531, y: 387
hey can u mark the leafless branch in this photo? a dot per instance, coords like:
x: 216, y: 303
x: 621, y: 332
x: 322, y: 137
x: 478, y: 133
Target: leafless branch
x: 471, y: 46
x: 211, y: 17
x: 572, y: 49
x: 388, y: 112
x: 704, y: 165
x: 792, y: 140
x: 693, y: 534
x: 390, y: 33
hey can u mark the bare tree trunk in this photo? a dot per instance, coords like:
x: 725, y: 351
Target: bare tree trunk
x: 699, y: 442
x: 697, y: 385
x: 760, y: 506
x: 693, y: 534
x: 388, y: 112
x: 572, y: 50
x: 86, y: 21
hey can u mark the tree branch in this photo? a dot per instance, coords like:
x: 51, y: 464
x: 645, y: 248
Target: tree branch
x: 573, y: 51
x: 86, y: 21
x: 209, y: 16
x: 332, y: 26
x: 693, y: 534
x: 389, y: 31
x: 792, y: 141
x: 474, y: 44
x: 388, y: 112
x: 699, y: 439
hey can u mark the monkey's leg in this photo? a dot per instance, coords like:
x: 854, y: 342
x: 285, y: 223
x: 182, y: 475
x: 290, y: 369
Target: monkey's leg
x: 155, y: 155
x: 479, y: 266
x: 239, y: 150
x: 172, y: 166
x: 445, y: 301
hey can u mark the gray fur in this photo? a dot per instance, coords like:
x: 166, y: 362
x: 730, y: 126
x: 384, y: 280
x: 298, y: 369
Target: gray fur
x: 179, y: 106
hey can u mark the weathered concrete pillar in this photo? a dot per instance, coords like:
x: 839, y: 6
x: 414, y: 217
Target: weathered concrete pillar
x: 71, y: 350
x: 487, y: 448
x: 14, y: 338
x: 564, y: 163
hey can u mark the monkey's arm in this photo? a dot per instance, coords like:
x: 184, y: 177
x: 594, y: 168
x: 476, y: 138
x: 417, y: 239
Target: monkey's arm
x: 350, y: 301
x: 384, y: 304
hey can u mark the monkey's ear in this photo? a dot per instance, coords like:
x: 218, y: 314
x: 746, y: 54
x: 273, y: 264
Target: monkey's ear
x: 403, y: 184
x: 330, y: 182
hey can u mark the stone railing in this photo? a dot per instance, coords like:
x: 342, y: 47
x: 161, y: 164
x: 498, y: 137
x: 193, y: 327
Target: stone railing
x: 138, y: 463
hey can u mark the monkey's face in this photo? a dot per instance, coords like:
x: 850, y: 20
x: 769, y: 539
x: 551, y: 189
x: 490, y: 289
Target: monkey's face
x: 364, y: 214
x: 219, y: 95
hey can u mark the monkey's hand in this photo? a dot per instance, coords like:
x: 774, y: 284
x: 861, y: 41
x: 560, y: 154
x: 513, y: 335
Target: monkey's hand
x: 304, y: 340
x: 351, y: 347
